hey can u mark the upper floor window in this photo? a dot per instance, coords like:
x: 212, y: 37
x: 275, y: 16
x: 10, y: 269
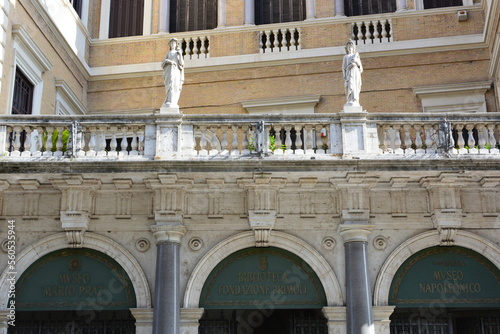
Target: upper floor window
x: 441, y: 3
x: 126, y: 18
x: 190, y: 15
x: 77, y: 6
x: 22, y: 102
x: 278, y: 11
x: 367, y: 7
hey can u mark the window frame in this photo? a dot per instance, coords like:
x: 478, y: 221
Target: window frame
x: 106, y: 11
x: 419, y: 4
x: 31, y: 61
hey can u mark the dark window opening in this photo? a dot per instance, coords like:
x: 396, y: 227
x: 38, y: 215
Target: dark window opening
x: 192, y: 15
x: 22, y: 102
x: 367, y: 7
x: 279, y: 11
x: 126, y: 18
x: 77, y: 6
x: 441, y: 3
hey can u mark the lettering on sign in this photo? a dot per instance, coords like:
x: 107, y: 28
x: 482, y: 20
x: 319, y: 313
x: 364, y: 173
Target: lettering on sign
x: 268, y: 285
x: 71, y: 285
x: 449, y: 281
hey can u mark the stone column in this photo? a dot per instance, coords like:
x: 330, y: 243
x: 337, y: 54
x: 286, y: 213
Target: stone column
x: 310, y: 9
x: 339, y: 8
x: 358, y: 294
x: 401, y: 6
x: 167, y: 304
x: 143, y: 320
x: 249, y: 12
x: 164, y: 16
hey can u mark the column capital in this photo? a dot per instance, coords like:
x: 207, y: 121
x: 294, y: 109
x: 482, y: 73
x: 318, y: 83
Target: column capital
x: 168, y: 233
x: 355, y: 232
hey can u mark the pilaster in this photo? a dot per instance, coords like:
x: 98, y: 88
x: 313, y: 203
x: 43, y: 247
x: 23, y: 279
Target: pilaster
x: 336, y: 317
x: 143, y: 320
x: 190, y: 320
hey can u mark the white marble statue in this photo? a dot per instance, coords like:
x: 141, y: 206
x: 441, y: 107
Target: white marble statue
x: 173, y: 74
x: 352, y: 69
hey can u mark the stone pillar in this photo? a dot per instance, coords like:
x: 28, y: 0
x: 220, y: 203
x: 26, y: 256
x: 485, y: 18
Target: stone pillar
x: 310, y: 9
x: 166, y: 316
x: 381, y: 320
x: 221, y: 14
x: 401, y: 6
x: 336, y: 317
x: 249, y: 12
x: 190, y: 320
x: 143, y: 320
x: 358, y: 294
x: 359, y: 137
x: 164, y: 16
x: 339, y: 8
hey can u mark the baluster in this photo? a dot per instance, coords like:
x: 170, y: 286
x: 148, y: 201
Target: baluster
x: 288, y: 139
x: 196, y: 50
x: 482, y: 135
x: 298, y: 140
x: 133, y: 143
x: 48, y: 142
x: 308, y: 139
x: 244, y: 140
x: 376, y: 33
x: 407, y: 139
x: 113, y: 144
x: 27, y: 142
x: 37, y: 142
x: 360, y: 33
x: 124, y: 143
x: 293, y: 42
x: 224, y: 143
x: 268, y: 40
x: 101, y: 140
x: 369, y: 34
x: 92, y: 141
x: 275, y: 43
x: 384, y: 144
x: 59, y: 142
x: 214, y: 143
x: 491, y: 137
x: 203, y: 141
x: 203, y: 49
x: 80, y: 143
x: 16, y: 141
x: 234, y: 144
x: 428, y: 138
x: 278, y: 140
x: 470, y: 140
x: 418, y: 139
x: 398, y: 140
x: 140, y: 141
x: 460, y: 139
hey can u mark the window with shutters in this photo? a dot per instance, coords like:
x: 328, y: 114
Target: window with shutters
x: 22, y: 101
x: 367, y: 7
x: 126, y: 18
x: 278, y: 11
x: 441, y: 3
x: 191, y: 15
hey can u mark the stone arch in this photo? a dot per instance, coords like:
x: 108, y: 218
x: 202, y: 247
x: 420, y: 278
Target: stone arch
x: 92, y: 241
x: 277, y: 239
x: 422, y: 241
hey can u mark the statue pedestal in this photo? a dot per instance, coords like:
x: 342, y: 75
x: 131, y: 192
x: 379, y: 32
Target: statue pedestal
x: 169, y: 109
x: 350, y: 108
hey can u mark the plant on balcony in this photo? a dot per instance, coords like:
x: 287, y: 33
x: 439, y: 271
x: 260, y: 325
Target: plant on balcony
x: 272, y: 143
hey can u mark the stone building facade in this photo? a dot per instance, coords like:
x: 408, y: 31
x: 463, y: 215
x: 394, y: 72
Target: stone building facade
x: 263, y: 204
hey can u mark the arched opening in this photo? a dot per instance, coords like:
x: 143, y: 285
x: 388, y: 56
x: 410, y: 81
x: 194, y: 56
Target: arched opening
x: 446, y: 290
x: 262, y: 290
x: 74, y: 291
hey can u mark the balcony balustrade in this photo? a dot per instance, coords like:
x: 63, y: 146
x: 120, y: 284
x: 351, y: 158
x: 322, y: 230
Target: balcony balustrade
x: 318, y: 136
